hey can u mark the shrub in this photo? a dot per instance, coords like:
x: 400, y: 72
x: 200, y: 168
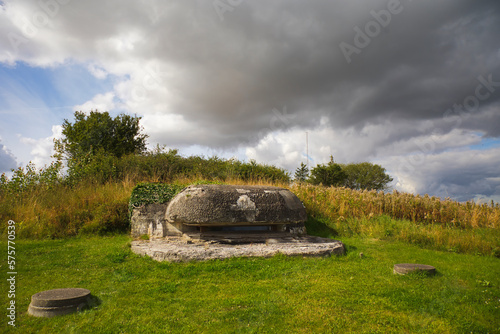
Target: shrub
x: 149, y: 193
x: 27, y: 179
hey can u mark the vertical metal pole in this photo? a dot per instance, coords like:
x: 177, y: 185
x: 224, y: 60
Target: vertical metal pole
x: 307, y: 150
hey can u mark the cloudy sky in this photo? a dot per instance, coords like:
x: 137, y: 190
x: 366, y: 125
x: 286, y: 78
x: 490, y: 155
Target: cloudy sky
x: 411, y: 85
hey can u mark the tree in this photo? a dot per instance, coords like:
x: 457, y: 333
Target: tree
x: 99, y: 133
x: 328, y: 175
x: 301, y: 173
x: 365, y: 175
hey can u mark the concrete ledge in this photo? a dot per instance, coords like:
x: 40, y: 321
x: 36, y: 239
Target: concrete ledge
x: 174, y: 249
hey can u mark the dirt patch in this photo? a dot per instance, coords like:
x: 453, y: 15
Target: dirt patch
x: 177, y: 249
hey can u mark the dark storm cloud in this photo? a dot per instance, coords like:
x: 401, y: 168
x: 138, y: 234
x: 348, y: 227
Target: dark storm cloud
x: 268, y: 55
x: 236, y: 64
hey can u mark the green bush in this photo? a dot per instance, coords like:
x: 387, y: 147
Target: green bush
x: 27, y: 179
x: 150, y: 193
x: 97, y: 167
x: 167, y: 166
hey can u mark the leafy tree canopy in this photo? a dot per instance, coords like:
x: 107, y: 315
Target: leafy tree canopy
x: 100, y: 133
x: 365, y: 175
x: 328, y: 175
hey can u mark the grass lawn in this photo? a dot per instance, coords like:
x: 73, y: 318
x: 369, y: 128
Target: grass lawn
x: 346, y: 294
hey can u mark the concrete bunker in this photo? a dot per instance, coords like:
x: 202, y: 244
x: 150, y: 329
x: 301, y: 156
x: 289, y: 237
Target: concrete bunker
x: 237, y: 214
x: 204, y: 222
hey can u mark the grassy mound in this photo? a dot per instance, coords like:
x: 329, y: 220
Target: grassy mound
x: 95, y: 209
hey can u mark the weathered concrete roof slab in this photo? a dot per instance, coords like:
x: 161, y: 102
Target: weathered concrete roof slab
x: 176, y: 250
x: 214, y: 204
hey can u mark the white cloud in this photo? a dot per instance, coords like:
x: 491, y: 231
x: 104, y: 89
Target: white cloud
x: 7, y: 159
x: 462, y: 174
x: 97, y: 71
x: 42, y: 149
x: 440, y: 165
x: 100, y: 102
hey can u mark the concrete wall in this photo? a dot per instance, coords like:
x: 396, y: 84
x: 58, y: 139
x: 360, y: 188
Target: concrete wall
x: 150, y: 219
x: 203, y: 208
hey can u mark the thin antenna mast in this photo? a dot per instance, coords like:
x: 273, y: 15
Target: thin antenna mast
x: 307, y: 150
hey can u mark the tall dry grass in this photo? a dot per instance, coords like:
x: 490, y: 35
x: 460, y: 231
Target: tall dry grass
x: 91, y: 208
x: 64, y: 211
x: 344, y: 203
x: 423, y: 220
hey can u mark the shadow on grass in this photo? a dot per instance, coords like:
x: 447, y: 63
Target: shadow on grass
x: 418, y: 274
x: 350, y: 249
x: 93, y: 302
x: 318, y: 228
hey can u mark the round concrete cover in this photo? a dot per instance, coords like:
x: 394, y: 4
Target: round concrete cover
x: 214, y: 204
x: 406, y: 268
x: 58, y: 302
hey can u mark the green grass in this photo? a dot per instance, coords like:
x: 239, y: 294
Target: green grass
x: 345, y: 294
x: 477, y: 241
